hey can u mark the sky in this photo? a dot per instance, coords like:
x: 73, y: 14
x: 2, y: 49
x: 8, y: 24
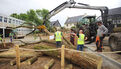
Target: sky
x: 21, y: 6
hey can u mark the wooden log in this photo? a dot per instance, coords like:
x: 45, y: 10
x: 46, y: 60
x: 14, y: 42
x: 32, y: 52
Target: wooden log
x: 86, y: 60
x: 49, y: 64
x: 11, y: 54
x: 32, y: 60
x: 13, y: 62
x: 69, y: 66
x: 17, y: 56
x: 68, y: 42
x: 62, y: 57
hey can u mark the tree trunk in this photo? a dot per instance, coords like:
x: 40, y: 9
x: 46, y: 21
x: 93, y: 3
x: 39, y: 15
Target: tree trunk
x: 69, y: 66
x: 13, y: 62
x: 32, y: 60
x: 49, y: 64
x: 11, y: 54
x: 86, y: 60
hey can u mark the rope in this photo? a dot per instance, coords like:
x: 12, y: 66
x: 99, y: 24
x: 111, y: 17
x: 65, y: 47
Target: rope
x: 40, y: 50
x: 60, y: 48
x: 4, y: 49
x: 91, y: 52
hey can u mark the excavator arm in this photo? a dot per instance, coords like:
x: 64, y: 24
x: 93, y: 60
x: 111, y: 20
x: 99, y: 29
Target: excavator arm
x: 73, y: 4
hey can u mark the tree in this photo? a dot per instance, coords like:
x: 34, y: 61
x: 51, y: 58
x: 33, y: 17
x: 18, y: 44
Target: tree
x: 23, y: 16
x: 31, y: 15
x: 42, y: 14
x: 15, y: 15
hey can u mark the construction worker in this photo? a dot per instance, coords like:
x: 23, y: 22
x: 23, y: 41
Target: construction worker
x: 0, y: 37
x: 72, y: 37
x: 58, y: 38
x: 11, y: 36
x: 80, y: 41
x: 101, y: 32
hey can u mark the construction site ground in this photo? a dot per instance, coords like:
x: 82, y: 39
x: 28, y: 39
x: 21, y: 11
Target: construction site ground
x: 39, y: 64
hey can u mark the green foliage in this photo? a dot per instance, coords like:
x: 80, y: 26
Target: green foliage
x: 15, y: 15
x: 73, y: 27
x: 35, y: 16
x: 42, y: 14
x: 30, y: 16
x: 23, y: 16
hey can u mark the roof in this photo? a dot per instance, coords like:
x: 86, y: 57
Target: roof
x: 74, y: 19
x: 115, y: 11
x: 55, y: 23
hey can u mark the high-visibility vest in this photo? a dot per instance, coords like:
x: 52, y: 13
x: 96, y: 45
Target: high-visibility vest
x: 81, y: 39
x: 58, y: 36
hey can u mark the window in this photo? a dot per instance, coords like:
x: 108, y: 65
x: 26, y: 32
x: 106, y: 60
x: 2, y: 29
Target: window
x: 13, y: 21
x: 16, y: 22
x: 19, y: 22
x: 5, y: 19
x: 67, y: 24
x: 118, y: 21
x: 9, y: 20
x: 1, y: 18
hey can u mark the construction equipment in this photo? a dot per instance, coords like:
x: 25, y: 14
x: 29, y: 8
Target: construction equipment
x: 73, y: 4
x: 115, y: 45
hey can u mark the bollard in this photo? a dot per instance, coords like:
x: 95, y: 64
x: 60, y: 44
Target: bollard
x: 17, y: 56
x: 62, y: 57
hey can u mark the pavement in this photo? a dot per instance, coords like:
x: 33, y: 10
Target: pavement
x: 26, y: 39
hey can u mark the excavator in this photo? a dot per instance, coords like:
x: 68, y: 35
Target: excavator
x: 114, y: 39
x: 73, y: 4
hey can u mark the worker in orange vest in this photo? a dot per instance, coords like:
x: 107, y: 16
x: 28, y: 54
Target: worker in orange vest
x: 101, y: 32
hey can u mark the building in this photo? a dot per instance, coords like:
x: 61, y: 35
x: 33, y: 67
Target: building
x: 8, y: 23
x: 115, y: 17
x: 55, y: 24
x: 72, y: 21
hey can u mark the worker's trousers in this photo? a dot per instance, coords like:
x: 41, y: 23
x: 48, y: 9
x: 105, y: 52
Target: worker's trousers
x: 11, y: 38
x: 58, y: 44
x: 80, y: 47
x: 99, y: 44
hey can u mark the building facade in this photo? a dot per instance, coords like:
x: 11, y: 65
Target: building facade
x: 8, y: 23
x: 72, y: 21
x: 115, y: 17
